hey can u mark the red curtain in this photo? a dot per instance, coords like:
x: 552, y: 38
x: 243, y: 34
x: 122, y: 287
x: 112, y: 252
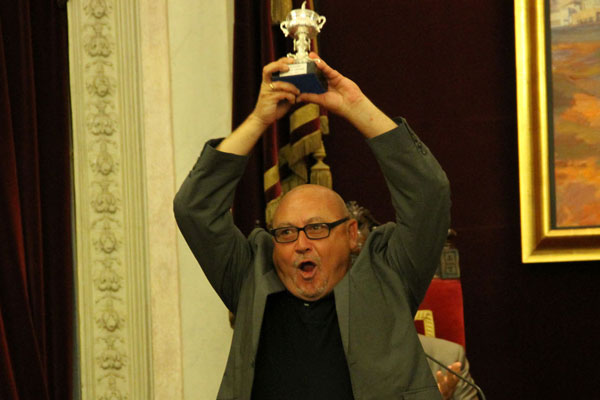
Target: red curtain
x: 36, y: 266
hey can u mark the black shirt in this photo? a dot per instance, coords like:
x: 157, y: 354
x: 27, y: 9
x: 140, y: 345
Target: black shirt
x: 300, y: 353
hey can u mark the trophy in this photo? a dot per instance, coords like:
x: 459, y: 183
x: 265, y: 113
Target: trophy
x: 303, y: 25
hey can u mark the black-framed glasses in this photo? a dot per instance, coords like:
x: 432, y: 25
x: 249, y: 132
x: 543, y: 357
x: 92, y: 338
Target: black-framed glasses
x: 318, y: 230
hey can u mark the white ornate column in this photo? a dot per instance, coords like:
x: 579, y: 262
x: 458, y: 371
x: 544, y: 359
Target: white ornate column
x: 127, y: 273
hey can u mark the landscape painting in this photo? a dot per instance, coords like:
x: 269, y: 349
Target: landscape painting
x: 575, y: 112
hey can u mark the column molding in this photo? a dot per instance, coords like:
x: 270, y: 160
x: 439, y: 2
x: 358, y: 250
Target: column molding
x: 126, y: 262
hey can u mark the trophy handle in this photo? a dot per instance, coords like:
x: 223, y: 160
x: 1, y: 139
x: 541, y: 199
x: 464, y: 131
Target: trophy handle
x: 320, y: 21
x: 284, y: 28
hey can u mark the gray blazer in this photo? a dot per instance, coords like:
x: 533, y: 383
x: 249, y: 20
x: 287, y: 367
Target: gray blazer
x: 375, y: 301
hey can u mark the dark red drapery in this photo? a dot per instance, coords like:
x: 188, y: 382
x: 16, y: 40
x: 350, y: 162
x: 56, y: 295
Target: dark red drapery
x: 36, y: 267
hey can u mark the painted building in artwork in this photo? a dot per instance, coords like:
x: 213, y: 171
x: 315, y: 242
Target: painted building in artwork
x: 561, y: 13
x: 589, y: 14
x: 574, y: 12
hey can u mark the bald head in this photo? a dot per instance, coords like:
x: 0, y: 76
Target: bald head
x: 310, y: 199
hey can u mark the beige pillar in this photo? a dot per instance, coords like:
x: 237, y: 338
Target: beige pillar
x: 150, y: 82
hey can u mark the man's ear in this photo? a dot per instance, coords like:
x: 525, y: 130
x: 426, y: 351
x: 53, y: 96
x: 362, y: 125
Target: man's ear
x: 353, y: 234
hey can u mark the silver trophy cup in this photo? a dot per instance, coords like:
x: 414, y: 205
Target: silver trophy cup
x: 303, y: 25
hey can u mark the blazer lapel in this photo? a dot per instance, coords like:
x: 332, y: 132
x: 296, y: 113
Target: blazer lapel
x: 267, y: 284
x: 342, y: 306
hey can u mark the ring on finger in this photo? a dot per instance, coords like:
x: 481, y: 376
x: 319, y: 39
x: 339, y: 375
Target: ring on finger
x: 271, y: 86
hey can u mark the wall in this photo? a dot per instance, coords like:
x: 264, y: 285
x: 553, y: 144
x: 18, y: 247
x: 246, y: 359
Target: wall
x: 200, y: 37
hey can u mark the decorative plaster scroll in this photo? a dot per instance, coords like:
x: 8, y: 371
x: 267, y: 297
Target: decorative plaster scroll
x: 112, y: 269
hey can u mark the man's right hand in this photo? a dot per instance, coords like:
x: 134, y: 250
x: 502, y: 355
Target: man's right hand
x: 275, y: 98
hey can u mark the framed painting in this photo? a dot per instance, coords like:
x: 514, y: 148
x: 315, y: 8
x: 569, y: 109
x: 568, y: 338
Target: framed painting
x: 558, y: 105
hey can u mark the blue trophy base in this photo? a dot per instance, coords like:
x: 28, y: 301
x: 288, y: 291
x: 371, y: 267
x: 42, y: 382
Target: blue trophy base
x: 305, y: 76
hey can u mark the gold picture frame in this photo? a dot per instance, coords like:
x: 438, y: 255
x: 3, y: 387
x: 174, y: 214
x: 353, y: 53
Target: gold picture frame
x: 540, y: 241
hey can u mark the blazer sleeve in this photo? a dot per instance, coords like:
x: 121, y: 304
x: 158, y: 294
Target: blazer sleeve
x: 420, y: 194
x: 202, y: 208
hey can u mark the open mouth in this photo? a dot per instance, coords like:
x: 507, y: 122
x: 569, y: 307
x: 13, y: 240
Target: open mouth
x: 307, y: 266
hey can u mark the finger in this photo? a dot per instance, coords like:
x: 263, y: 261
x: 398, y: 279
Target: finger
x: 280, y: 65
x: 455, y: 366
x: 320, y: 63
x: 316, y: 57
x: 284, y: 96
x: 284, y: 86
x: 439, y: 376
x: 311, y: 98
x: 329, y: 72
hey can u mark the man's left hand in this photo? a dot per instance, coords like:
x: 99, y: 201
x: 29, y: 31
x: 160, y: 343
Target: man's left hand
x: 447, y: 382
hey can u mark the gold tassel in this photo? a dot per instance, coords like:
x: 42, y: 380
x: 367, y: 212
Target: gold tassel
x: 324, y: 120
x: 279, y: 10
x: 287, y: 184
x: 292, y: 181
x: 299, y: 170
x: 320, y: 173
x: 270, y: 210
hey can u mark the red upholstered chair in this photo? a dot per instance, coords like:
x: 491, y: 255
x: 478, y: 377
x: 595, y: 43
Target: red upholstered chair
x: 441, y: 312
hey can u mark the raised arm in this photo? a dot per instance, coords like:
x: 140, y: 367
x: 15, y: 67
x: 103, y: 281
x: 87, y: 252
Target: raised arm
x: 274, y: 101
x: 420, y: 194
x: 345, y: 98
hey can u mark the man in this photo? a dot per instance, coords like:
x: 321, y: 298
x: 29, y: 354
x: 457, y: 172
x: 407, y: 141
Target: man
x: 307, y: 325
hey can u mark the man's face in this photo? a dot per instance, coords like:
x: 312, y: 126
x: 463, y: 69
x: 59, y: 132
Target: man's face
x: 311, y: 268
